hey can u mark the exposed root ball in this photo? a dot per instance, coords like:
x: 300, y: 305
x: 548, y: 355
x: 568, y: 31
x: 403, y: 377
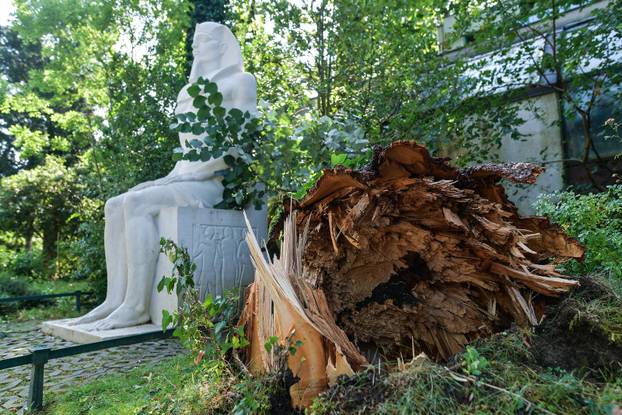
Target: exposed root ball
x: 411, y: 251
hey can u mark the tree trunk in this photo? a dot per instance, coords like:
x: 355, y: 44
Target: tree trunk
x: 28, y: 243
x: 50, y: 242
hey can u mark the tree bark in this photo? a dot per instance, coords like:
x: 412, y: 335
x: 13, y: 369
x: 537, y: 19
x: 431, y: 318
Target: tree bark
x: 50, y: 244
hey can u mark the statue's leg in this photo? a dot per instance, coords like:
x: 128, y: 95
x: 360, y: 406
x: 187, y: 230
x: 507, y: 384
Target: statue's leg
x: 142, y: 239
x: 116, y: 263
x: 142, y: 249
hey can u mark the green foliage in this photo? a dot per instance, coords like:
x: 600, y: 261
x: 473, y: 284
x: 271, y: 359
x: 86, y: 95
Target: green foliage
x: 224, y: 130
x: 11, y: 286
x: 254, y: 397
x: 17, y: 286
x: 259, y: 150
x: 532, y: 47
x: 26, y: 264
x: 206, y: 327
x: 52, y: 309
x: 473, y: 363
x: 596, y: 221
x: 40, y: 201
x: 168, y: 387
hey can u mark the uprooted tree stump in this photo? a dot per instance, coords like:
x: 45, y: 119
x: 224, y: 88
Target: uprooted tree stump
x: 405, y: 256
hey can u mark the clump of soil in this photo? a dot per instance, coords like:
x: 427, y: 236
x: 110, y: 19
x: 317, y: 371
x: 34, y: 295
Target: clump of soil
x: 578, y: 335
x: 359, y: 393
x: 280, y: 400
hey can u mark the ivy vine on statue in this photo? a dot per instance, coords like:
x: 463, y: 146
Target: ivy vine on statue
x: 216, y: 117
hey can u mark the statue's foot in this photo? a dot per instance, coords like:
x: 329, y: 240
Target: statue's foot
x: 124, y: 316
x: 98, y: 313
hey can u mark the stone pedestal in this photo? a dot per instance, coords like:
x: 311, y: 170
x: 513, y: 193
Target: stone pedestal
x: 215, y: 239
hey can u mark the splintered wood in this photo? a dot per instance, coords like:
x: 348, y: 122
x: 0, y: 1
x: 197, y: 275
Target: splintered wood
x: 407, y: 255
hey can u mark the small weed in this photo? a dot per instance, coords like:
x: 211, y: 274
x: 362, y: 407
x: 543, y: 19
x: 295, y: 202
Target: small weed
x: 474, y: 363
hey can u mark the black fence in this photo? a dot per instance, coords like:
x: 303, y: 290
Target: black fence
x: 42, y: 297
x: 40, y: 356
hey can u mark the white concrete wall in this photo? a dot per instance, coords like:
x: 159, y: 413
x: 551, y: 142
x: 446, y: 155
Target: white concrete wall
x: 542, y: 144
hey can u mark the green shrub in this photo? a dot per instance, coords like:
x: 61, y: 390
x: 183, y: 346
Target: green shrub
x: 596, y: 221
x: 12, y: 286
x: 27, y: 264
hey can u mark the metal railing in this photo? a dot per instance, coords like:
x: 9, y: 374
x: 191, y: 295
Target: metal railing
x: 78, y: 294
x: 41, y: 355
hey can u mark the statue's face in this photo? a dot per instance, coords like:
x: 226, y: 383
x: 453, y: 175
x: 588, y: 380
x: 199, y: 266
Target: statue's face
x: 207, y: 47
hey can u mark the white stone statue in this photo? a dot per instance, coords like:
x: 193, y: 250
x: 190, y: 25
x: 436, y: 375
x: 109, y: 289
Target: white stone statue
x: 131, y: 233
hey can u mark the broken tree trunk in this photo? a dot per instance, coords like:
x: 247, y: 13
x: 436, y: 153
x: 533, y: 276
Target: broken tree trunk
x: 408, y: 255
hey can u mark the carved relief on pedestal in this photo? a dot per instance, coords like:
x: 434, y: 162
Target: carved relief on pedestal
x: 222, y: 258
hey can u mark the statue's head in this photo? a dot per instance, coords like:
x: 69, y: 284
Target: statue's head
x: 213, y: 47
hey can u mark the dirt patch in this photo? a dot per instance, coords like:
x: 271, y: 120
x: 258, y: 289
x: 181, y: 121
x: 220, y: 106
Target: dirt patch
x: 576, y: 336
x: 280, y: 400
x: 358, y: 394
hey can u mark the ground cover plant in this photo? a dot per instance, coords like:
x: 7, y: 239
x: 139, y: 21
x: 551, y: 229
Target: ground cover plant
x: 168, y: 387
x: 595, y: 219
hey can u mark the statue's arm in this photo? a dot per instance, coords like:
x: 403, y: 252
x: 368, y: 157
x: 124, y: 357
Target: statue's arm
x: 173, y: 176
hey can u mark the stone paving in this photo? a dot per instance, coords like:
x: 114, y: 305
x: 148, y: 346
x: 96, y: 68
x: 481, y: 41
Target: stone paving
x: 67, y: 372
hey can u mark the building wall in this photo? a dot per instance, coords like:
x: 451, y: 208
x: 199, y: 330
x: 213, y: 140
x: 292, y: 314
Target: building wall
x: 542, y: 143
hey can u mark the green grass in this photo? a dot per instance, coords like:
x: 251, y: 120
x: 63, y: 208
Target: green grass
x: 173, y: 386
x: 164, y: 388
x: 59, y: 286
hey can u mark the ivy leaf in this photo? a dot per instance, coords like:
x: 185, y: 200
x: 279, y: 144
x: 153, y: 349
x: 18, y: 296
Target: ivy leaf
x: 192, y: 156
x: 170, y: 285
x: 161, y: 285
x: 205, y: 154
x: 211, y: 88
x: 194, y: 90
x: 215, y: 99
x: 197, y: 129
x: 199, y: 101
x: 166, y: 319
x: 219, y: 112
x: 203, y: 113
x: 236, y: 114
x: 196, y: 143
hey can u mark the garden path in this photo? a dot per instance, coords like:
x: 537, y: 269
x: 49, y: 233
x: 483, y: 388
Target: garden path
x: 64, y: 373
